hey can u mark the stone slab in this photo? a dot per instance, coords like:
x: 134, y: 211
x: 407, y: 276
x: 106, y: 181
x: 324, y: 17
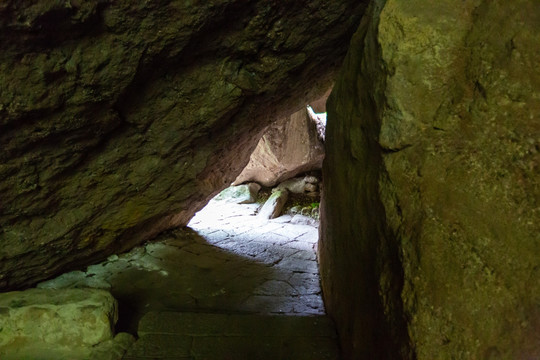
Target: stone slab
x: 204, y: 324
x: 294, y: 231
x: 160, y: 346
x: 309, y: 266
x: 42, y: 324
x: 75, y: 317
x: 204, y: 336
x: 265, y: 348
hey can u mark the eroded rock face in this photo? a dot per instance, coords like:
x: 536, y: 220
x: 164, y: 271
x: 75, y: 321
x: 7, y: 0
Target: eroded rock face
x: 433, y: 140
x: 289, y: 147
x: 48, y: 324
x: 119, y: 119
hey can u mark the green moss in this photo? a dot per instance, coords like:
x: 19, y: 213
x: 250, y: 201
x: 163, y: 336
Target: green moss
x: 302, y: 201
x: 264, y: 194
x: 17, y: 303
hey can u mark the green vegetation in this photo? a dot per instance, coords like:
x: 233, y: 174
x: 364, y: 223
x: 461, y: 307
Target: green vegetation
x: 298, y: 201
x: 17, y: 303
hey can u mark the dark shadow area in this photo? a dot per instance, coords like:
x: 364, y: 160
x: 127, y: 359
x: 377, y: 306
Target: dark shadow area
x: 181, y: 271
x: 234, y: 262
x: 197, y: 336
x: 235, y: 286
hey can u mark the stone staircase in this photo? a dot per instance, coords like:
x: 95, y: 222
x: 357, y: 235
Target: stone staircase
x: 208, y: 336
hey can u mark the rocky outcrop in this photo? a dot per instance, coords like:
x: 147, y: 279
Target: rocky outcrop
x: 289, y: 147
x: 119, y: 119
x: 54, y: 324
x: 433, y: 140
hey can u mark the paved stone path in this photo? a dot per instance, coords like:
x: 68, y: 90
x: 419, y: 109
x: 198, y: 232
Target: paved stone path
x: 254, y: 283
x: 287, y: 278
x: 171, y: 335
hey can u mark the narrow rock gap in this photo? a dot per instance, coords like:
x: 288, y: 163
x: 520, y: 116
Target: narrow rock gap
x: 142, y: 109
x: 231, y: 259
x: 118, y: 120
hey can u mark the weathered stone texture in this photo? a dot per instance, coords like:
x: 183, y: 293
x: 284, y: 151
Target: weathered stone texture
x: 119, y: 119
x: 39, y: 323
x: 288, y: 147
x: 241, y: 194
x: 433, y: 140
x: 273, y: 207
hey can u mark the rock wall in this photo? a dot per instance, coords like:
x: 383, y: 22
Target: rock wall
x: 119, y: 119
x: 430, y: 240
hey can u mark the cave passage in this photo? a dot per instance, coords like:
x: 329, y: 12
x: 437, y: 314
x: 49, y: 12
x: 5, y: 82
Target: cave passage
x: 249, y: 279
x: 120, y: 119
x: 234, y: 260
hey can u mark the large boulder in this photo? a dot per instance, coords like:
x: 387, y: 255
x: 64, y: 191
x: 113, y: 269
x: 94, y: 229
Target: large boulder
x: 55, y: 324
x: 289, y: 147
x: 119, y: 119
x: 433, y: 140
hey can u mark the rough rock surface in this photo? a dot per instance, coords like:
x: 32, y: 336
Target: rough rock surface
x: 113, y: 349
x: 300, y: 185
x: 45, y: 322
x: 119, y: 119
x: 241, y: 194
x: 433, y: 140
x: 273, y: 207
x: 289, y: 147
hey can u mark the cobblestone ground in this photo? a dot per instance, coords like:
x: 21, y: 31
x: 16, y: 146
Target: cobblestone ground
x: 287, y: 277
x: 227, y: 262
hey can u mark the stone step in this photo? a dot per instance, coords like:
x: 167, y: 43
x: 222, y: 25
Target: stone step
x: 204, y: 336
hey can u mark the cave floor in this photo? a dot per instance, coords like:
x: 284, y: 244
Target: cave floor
x: 230, y: 284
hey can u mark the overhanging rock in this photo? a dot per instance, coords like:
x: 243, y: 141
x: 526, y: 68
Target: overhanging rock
x: 119, y: 119
x: 288, y: 147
